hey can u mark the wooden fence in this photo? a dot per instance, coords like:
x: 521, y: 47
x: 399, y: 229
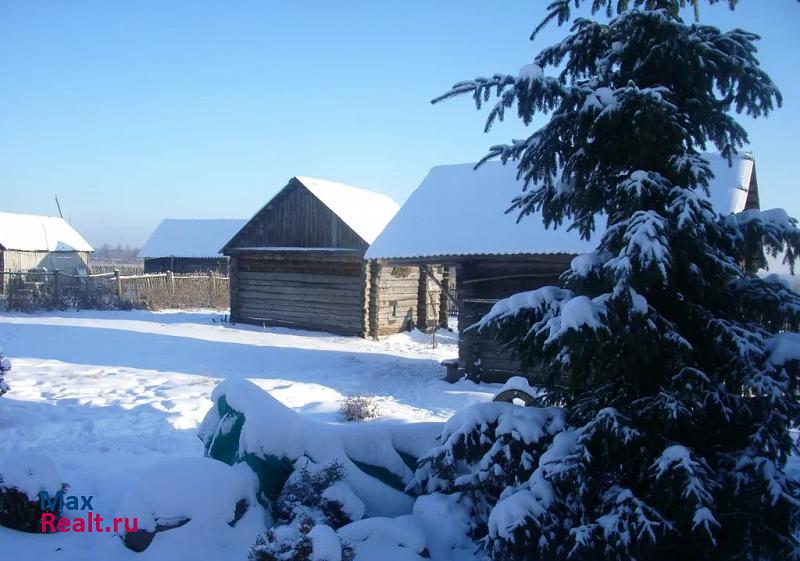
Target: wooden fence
x: 168, y: 290
x: 125, y: 269
x: 53, y: 289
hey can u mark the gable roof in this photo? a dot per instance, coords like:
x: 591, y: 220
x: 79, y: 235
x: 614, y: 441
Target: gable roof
x: 31, y: 232
x: 176, y: 237
x: 476, y: 200
x: 366, y: 212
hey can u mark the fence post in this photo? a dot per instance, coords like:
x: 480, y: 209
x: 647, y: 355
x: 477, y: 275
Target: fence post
x: 56, y: 285
x: 171, y: 277
x: 211, y: 290
x: 443, y: 297
x: 118, y: 282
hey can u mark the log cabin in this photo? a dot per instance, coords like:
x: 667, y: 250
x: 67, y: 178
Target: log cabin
x: 189, y: 246
x: 496, y: 256
x: 299, y: 263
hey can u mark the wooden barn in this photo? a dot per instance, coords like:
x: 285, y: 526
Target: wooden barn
x: 494, y: 256
x: 30, y: 241
x: 189, y: 246
x: 299, y: 262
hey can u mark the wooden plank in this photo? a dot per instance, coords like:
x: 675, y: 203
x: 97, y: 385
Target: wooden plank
x: 444, y: 289
x: 300, y: 277
x: 388, y: 282
x: 298, y: 300
x: 276, y: 322
x: 546, y: 275
x: 309, y: 268
x: 386, y: 295
x: 373, y: 307
x: 318, y: 306
x: 278, y: 289
x: 364, y: 298
x: 301, y: 318
x: 303, y: 321
x: 311, y: 312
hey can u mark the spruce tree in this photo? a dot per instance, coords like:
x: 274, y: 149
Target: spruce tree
x: 5, y: 368
x: 675, y: 363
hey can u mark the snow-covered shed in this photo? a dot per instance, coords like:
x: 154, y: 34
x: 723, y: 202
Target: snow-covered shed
x: 493, y: 255
x: 189, y: 245
x: 299, y: 262
x: 30, y: 241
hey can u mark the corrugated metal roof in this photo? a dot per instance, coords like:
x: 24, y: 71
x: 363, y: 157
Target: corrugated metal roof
x: 458, y: 210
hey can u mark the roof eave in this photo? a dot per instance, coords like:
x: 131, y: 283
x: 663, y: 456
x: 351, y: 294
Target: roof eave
x: 450, y: 258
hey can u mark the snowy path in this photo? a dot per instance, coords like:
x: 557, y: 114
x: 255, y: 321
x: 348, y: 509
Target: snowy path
x: 107, y: 394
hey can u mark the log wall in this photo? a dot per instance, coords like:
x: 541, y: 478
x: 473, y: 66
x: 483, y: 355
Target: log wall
x: 303, y: 290
x: 432, y: 311
x: 483, y: 281
x: 394, y: 299
x: 402, y: 297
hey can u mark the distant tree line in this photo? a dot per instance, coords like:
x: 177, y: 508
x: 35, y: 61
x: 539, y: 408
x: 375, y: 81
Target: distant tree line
x: 120, y: 253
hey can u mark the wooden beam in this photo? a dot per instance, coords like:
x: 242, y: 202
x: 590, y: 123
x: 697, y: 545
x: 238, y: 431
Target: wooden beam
x: 438, y: 283
x: 508, y: 277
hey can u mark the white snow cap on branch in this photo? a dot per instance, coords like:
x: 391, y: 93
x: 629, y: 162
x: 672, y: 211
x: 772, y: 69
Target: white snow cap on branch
x: 530, y: 72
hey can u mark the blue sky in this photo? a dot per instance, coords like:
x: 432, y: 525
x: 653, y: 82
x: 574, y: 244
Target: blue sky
x: 140, y: 110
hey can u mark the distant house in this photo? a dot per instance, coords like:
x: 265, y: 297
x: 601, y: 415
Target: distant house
x: 189, y: 246
x: 493, y: 255
x: 30, y: 241
x: 299, y: 262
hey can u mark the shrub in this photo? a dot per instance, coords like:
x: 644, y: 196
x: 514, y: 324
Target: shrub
x: 296, y: 543
x: 28, y: 297
x: 5, y: 366
x: 22, y: 479
x: 358, y: 407
x: 318, y: 493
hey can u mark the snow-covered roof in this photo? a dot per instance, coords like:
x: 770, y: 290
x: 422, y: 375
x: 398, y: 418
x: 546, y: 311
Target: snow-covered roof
x: 190, y: 237
x: 366, y: 212
x: 475, y: 202
x: 31, y: 232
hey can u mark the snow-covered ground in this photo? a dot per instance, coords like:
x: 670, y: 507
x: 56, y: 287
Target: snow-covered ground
x: 109, y: 394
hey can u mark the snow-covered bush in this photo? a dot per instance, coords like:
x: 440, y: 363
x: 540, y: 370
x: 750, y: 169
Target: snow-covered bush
x: 22, y: 479
x: 662, y: 344
x: 318, y: 492
x: 30, y: 296
x: 486, y: 449
x: 378, y: 538
x: 96, y: 295
x: 313, y: 502
x: 358, y: 407
x: 300, y: 542
x: 5, y: 368
x: 247, y: 425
